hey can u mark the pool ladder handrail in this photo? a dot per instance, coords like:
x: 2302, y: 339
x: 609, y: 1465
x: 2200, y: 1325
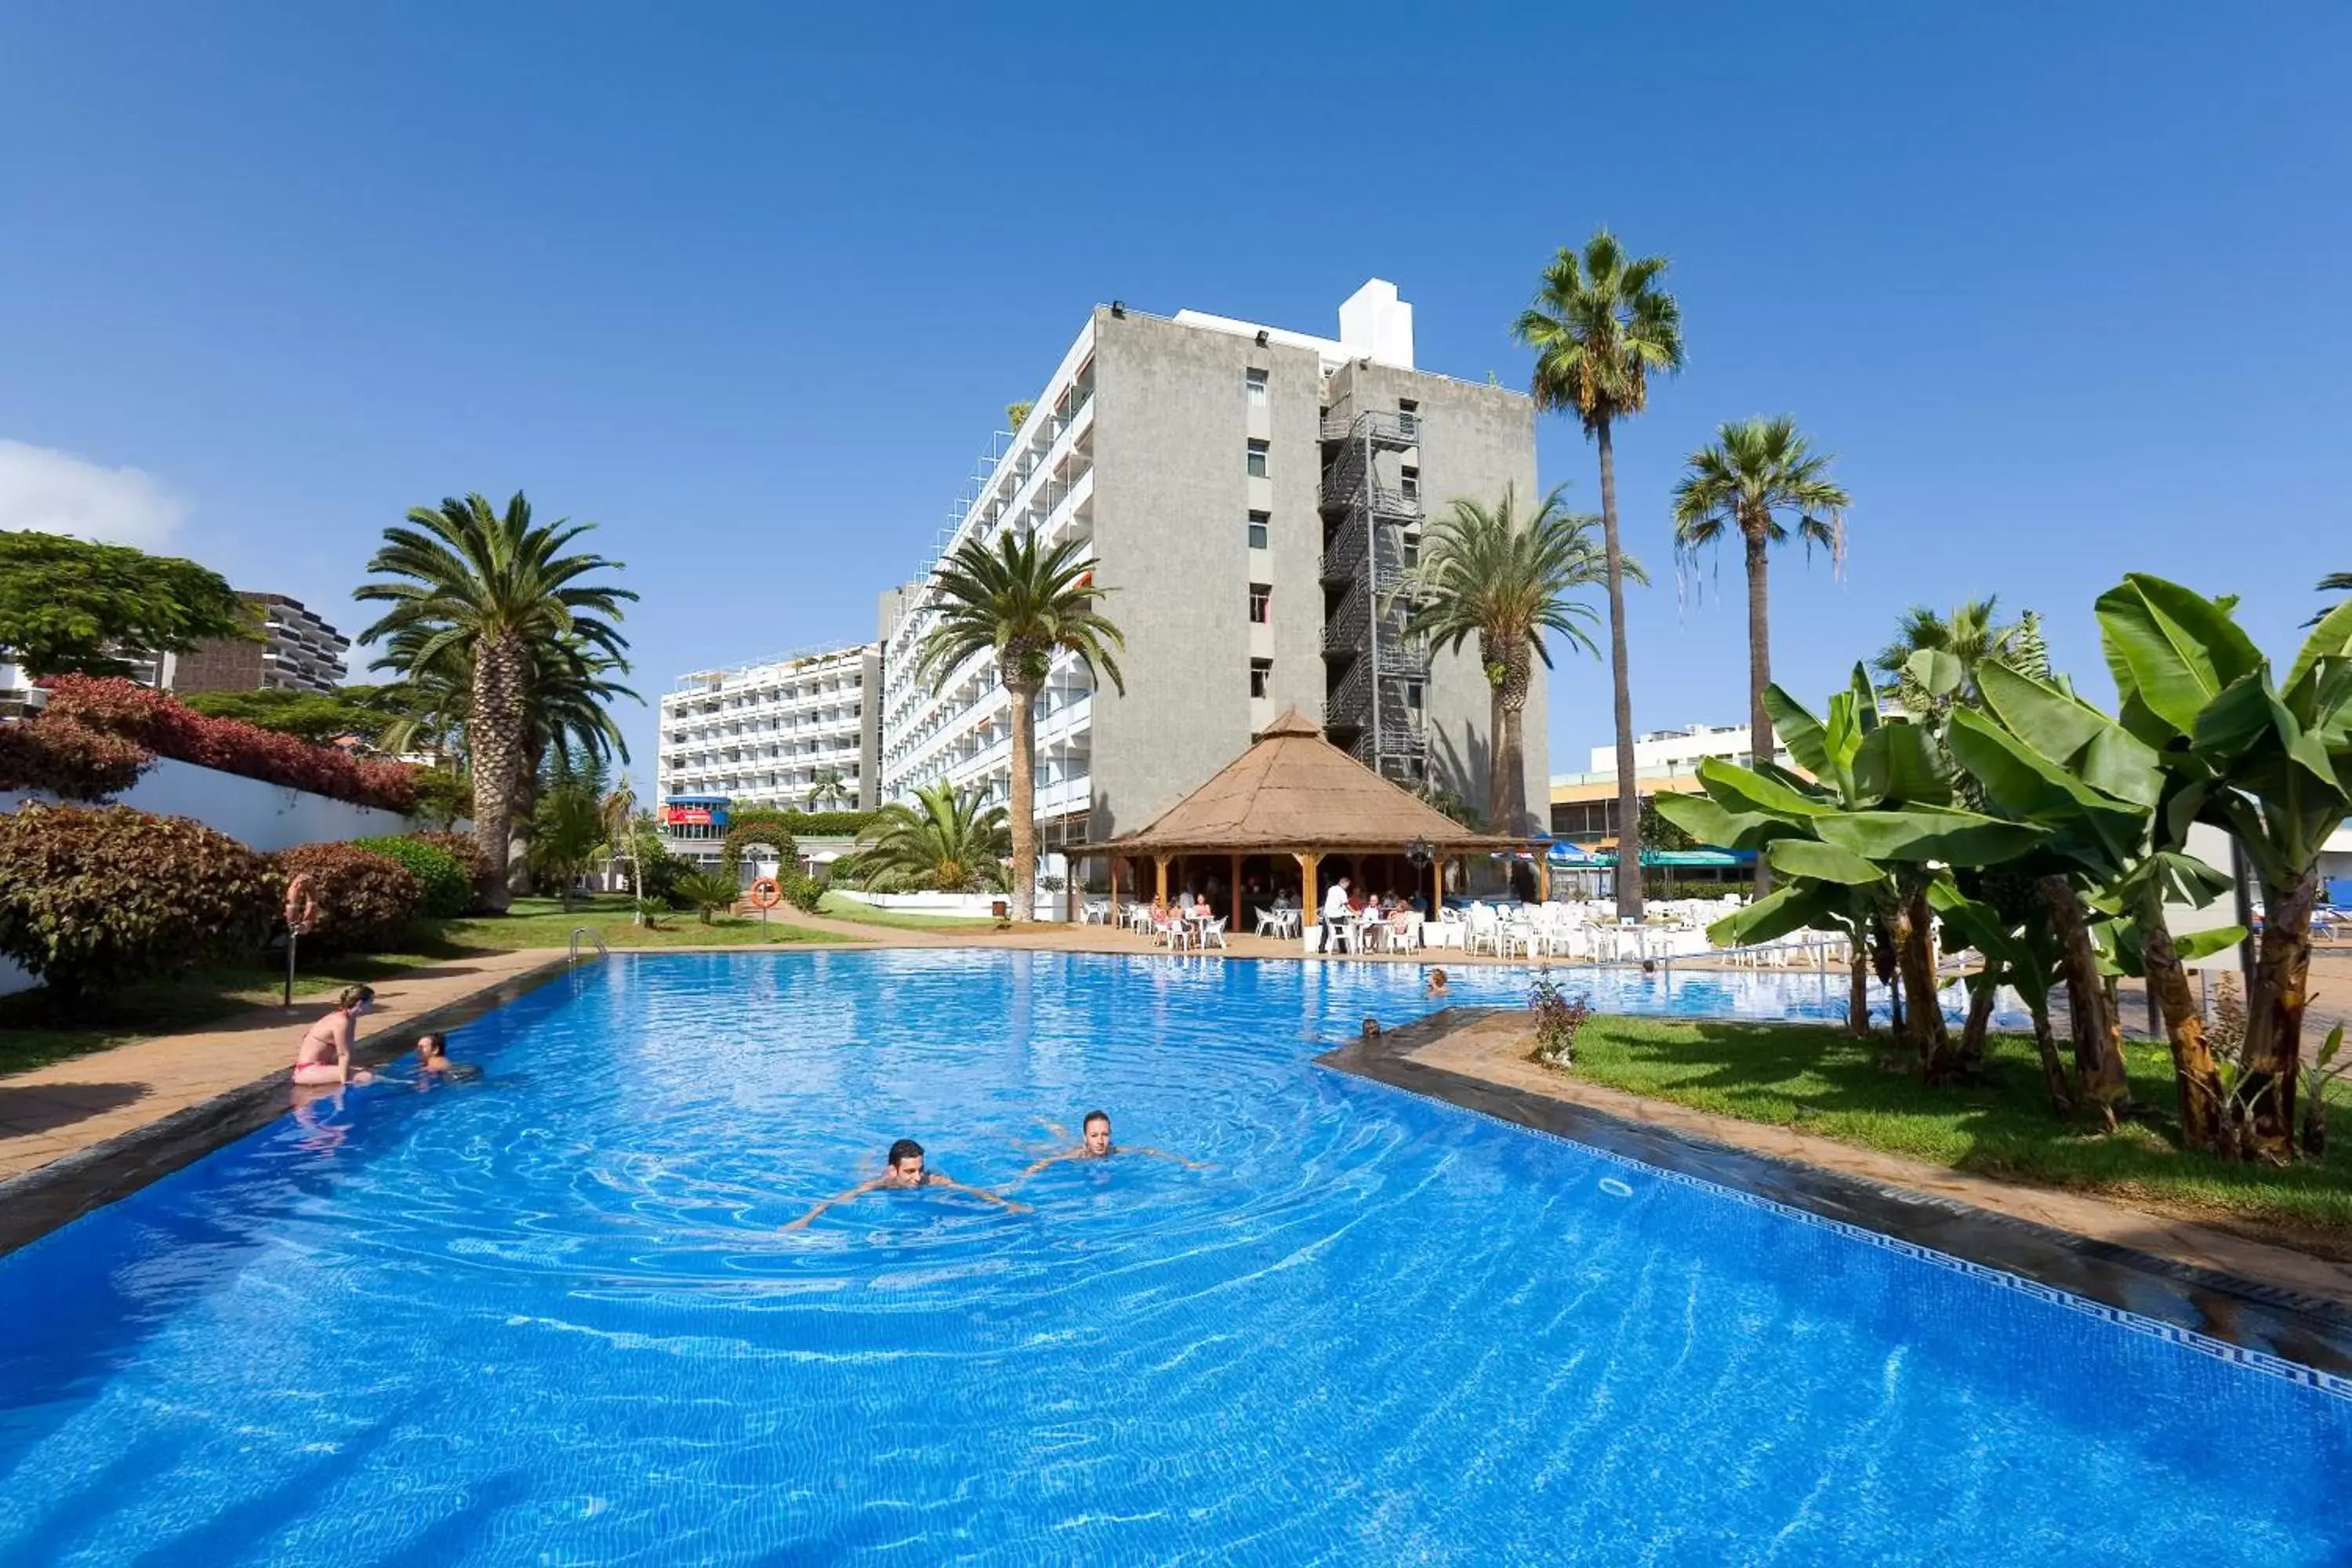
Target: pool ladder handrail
x: 590, y: 934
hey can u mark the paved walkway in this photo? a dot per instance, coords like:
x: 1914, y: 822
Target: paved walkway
x: 68, y: 1106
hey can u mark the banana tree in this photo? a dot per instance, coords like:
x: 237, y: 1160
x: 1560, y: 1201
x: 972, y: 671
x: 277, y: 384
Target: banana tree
x: 2270, y: 762
x: 2004, y: 924
x: 1872, y: 823
x: 2040, y: 754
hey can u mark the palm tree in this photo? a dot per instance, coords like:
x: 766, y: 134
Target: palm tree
x: 1504, y: 579
x: 705, y: 893
x: 827, y: 788
x: 1756, y: 470
x: 616, y: 816
x: 2334, y: 582
x: 943, y: 841
x: 567, y: 826
x: 1022, y: 607
x: 466, y: 579
x: 1972, y: 634
x: 1600, y: 326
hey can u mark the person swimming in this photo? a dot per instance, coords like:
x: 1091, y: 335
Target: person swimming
x: 1095, y: 1143
x: 1437, y: 983
x: 433, y: 1062
x: 324, y: 1057
x: 904, y: 1167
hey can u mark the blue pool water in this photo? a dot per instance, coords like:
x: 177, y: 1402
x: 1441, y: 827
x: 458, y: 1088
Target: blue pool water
x: 549, y: 1319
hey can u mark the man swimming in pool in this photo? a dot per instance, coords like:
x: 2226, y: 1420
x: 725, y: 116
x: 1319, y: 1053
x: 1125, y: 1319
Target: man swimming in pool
x: 1095, y: 1143
x: 904, y: 1168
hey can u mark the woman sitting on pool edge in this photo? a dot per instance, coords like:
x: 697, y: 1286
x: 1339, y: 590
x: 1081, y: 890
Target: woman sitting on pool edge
x: 904, y: 1168
x: 324, y: 1057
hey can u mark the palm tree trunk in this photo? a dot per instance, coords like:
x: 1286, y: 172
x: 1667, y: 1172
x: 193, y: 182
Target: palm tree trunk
x: 1024, y: 799
x: 2274, y: 1004
x: 494, y: 735
x: 2193, y: 1072
x: 1511, y: 757
x: 1498, y: 799
x: 1629, y: 799
x: 1759, y: 670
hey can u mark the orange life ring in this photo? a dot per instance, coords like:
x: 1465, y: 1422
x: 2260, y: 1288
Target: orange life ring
x: 766, y: 894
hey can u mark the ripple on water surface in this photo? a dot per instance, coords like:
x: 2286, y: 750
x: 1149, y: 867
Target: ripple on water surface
x: 551, y: 1318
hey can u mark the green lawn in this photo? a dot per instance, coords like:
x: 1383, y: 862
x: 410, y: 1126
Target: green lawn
x: 1817, y: 1078
x: 30, y: 1037
x: 839, y: 908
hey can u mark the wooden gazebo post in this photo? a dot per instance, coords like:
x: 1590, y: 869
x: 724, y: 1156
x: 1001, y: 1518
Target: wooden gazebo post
x: 1310, y: 907
x: 1237, y: 890
x: 1159, y: 883
x: 1436, y: 883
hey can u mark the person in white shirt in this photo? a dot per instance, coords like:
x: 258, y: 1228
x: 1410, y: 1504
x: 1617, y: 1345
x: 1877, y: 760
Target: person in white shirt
x: 1334, y: 906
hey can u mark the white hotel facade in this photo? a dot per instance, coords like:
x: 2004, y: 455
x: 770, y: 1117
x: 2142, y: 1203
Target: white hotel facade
x: 764, y: 734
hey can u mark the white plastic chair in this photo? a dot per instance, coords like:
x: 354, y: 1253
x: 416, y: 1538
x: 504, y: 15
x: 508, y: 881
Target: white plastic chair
x: 1209, y: 931
x: 1483, y: 932
x: 1269, y: 923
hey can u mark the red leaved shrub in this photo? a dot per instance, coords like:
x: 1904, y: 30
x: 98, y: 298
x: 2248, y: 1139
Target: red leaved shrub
x: 364, y: 899
x: 63, y: 758
x: 170, y: 728
x: 95, y: 897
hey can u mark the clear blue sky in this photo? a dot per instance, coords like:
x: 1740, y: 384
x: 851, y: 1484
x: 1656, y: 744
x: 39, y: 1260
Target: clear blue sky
x: 2063, y: 286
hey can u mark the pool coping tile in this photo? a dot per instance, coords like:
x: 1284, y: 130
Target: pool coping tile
x: 2264, y: 1326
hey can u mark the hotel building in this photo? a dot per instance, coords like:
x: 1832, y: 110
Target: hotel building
x: 764, y: 734
x: 1250, y: 498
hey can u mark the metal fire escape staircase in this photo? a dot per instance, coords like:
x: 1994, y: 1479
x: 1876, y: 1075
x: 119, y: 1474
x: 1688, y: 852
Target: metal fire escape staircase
x: 1371, y: 671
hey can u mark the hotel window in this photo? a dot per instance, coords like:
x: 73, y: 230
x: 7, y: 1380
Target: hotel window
x: 1257, y: 528
x: 1413, y: 696
x: 1411, y: 543
x: 1257, y: 460
x: 1260, y: 676
x: 1261, y: 593
x: 1411, y: 482
x: 1408, y: 417
x: 1257, y: 386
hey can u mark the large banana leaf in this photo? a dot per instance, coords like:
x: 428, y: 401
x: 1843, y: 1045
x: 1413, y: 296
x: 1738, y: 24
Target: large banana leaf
x: 2071, y: 733
x: 1800, y: 906
x: 1744, y: 789
x: 1897, y: 766
x: 1918, y: 834
x: 1823, y: 862
x: 2098, y: 829
x: 2330, y: 639
x: 2171, y: 650
x: 1710, y: 821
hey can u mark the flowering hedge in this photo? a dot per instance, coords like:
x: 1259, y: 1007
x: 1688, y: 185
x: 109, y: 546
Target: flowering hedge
x: 365, y: 900
x: 94, y: 897
x: 63, y: 758
x: 169, y: 728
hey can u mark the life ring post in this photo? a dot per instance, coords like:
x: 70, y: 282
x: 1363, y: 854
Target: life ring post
x: 767, y: 895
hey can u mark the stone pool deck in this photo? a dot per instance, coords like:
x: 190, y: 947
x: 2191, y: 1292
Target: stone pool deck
x: 2269, y: 1299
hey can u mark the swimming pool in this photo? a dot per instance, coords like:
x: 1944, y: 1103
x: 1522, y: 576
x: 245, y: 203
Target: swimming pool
x: 550, y: 1318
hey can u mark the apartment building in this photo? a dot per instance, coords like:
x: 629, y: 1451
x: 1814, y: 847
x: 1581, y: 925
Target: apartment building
x: 1251, y: 496
x: 766, y: 734
x: 1584, y: 804
x: 298, y: 651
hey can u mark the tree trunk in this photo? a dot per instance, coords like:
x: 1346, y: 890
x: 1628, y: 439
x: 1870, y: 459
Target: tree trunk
x: 1759, y: 669
x: 2193, y: 1072
x: 1857, y: 996
x: 2274, y: 1005
x: 1882, y: 960
x: 1497, y: 793
x: 1511, y: 761
x: 1915, y: 959
x: 1629, y: 799
x: 494, y: 736
x: 1024, y: 697
x: 1972, y: 1034
x: 2053, y: 1071
x: 2098, y: 1068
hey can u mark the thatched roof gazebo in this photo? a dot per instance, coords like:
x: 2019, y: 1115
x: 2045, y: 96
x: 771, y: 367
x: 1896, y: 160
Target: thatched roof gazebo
x: 1295, y: 793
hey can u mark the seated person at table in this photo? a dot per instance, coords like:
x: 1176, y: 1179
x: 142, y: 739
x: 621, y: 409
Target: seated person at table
x: 904, y: 1167
x: 433, y: 1061
x: 1095, y: 1144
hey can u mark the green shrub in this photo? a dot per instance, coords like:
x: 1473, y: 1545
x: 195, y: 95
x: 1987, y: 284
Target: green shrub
x: 96, y: 897
x: 799, y: 890
x: 447, y: 890
x: 364, y: 899
x: 468, y: 854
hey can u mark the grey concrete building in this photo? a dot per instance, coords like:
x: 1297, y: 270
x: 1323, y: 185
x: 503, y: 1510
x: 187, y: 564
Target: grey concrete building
x: 298, y: 651
x: 1250, y: 495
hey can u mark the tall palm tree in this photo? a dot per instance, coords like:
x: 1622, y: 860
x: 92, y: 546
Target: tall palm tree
x: 1490, y: 572
x: 944, y: 840
x: 1022, y: 607
x: 1600, y: 326
x: 2334, y: 582
x: 1756, y: 470
x: 827, y: 789
x: 465, y: 577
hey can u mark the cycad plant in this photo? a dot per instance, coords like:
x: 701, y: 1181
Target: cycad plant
x: 498, y: 590
x: 1600, y: 327
x: 705, y: 893
x: 1755, y: 474
x: 1023, y: 607
x: 1507, y: 579
x: 945, y: 841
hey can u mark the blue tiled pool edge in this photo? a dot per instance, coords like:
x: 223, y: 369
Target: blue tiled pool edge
x: 2011, y: 1254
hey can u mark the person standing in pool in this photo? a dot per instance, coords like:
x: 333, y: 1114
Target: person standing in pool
x: 904, y: 1168
x: 433, y: 1063
x: 1094, y: 1143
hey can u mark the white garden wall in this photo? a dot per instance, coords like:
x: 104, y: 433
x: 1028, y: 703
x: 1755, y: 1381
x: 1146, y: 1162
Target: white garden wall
x: 264, y: 816
x: 1049, y: 905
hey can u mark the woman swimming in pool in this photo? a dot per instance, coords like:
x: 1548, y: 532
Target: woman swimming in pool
x: 904, y: 1168
x: 324, y: 1057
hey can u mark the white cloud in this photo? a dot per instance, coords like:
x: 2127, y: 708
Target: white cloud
x: 57, y: 492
